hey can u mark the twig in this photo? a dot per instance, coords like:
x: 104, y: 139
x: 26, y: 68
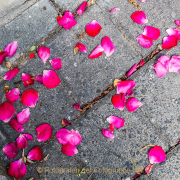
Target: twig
x: 92, y: 172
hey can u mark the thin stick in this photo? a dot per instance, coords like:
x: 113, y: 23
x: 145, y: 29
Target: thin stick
x: 92, y: 173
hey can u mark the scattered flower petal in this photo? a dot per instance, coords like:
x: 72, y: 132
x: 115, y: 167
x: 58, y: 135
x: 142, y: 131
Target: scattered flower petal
x: 111, y: 127
x: 69, y: 149
x: 77, y: 106
x: 81, y: 8
x: 96, y: 52
x: 22, y: 140
x: 143, y: 0
x: 39, y: 79
x: 139, y: 17
x: 107, y: 133
x: 175, y: 32
x: 141, y: 63
x: 44, y: 53
x: 10, y: 74
x: 132, y: 70
x: 169, y: 42
x: 13, y: 95
x: 32, y: 55
x: 27, y: 80
x: 129, y: 93
x: 93, y: 28
x: 23, y: 116
x: 145, y: 41
x: 125, y: 86
x: 35, y: 154
x: 119, y: 101
x: 177, y: 22
x: 15, y: 124
x: 28, y: 136
x: 44, y: 132
x: 133, y: 104
x: 164, y: 60
x: 114, y: 9
x: 58, y: 18
x: 81, y: 47
x: 151, y: 32
x: 10, y: 150
x: 3, y: 56
x: 174, y: 65
x: 65, y: 122
x: 56, y: 63
x: 116, y: 121
x: 11, y: 48
x: 160, y: 69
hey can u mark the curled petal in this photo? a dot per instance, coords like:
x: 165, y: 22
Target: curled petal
x: 119, y: 101
x: 111, y: 127
x: 114, y: 9
x: 17, y: 169
x: 77, y: 106
x: 75, y: 138
x: 139, y: 17
x: 107, y: 133
x: 174, y: 65
x: 29, y: 98
x: 10, y: 150
x: 21, y: 142
x: 145, y: 41
x: 81, y: 47
x: 13, y: 95
x: 133, y: 104
x: 69, y: 149
x: 141, y: 63
x: 156, y: 155
x: 15, y: 124
x: 169, y: 42
x: 108, y: 46
x: 44, y: 53
x: 129, y: 93
x: 7, y: 110
x: 164, y: 60
x: 93, y: 28
x: 148, y: 168
x: 44, y: 132
x: 23, y: 116
x: 177, y: 22
x: 27, y: 80
x: 175, y: 32
x: 151, y: 32
x: 160, y: 69
x: 96, y: 52
x: 10, y: 74
x: 81, y: 8
x: 132, y: 70
x: 56, y: 63
x: 11, y: 48
x: 39, y: 79
x: 35, y: 154
x: 28, y: 136
x: 125, y: 86
x: 65, y: 122
x: 3, y: 56
x: 32, y: 55
x: 116, y: 121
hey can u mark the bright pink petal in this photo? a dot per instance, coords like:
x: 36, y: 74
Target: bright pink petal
x: 28, y: 136
x: 23, y: 116
x: 108, y: 46
x: 50, y: 79
x: 17, y: 169
x: 139, y: 17
x: 174, y: 65
x: 67, y: 21
x: 29, y: 98
x: 129, y: 93
x: 148, y: 168
x: 65, y: 122
x: 10, y: 150
x: 169, y: 42
x: 143, y: 0
x: 7, y: 110
x: 107, y: 133
x: 35, y: 154
x: 164, y: 60
x: 63, y: 136
x: 13, y: 95
x: 116, y: 121
x: 27, y: 80
x: 44, y: 132
x: 125, y: 86
x: 177, y: 22
x: 93, y: 28
x: 151, y: 32
x: 160, y: 69
x: 114, y: 9
x: 81, y: 8
x: 56, y: 63
x: 69, y: 149
x: 21, y: 142
x: 75, y: 138
x: 11, y: 48
x: 133, y: 104
x: 119, y: 101
x: 145, y: 41
x: 77, y: 106
x: 15, y: 124
x: 96, y: 52
x: 111, y: 127
x: 44, y: 53
x: 10, y: 74
x: 32, y: 55
x: 39, y: 79
x: 175, y: 32
x: 81, y: 47
x: 2, y: 56
x: 156, y: 155
x: 132, y: 70
x: 141, y: 63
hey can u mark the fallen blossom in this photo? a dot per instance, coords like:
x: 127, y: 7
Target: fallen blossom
x: 132, y: 70
x: 81, y: 47
x: 169, y: 42
x: 65, y: 122
x: 177, y: 22
x: 44, y: 53
x: 174, y: 64
x: 13, y: 95
x: 129, y: 93
x: 151, y: 32
x: 56, y: 63
x: 116, y: 121
x: 114, y: 9
x: 143, y: 0
x: 165, y: 61
x: 107, y: 133
x: 58, y: 18
x: 111, y: 127
x: 23, y: 116
x: 22, y: 140
x: 35, y: 154
x: 11, y: 48
x: 32, y: 55
x: 39, y: 79
x: 69, y: 149
x: 96, y: 52
x: 141, y: 63
x: 175, y: 32
x: 119, y: 101
x: 16, y: 125
x: 27, y: 80
x: 44, y: 132
x: 3, y: 56
x: 125, y: 86
x: 133, y: 104
x: 77, y: 106
x: 139, y: 17
x: 81, y: 8
x: 10, y: 74
x: 93, y: 28
x: 145, y: 41
x: 10, y: 150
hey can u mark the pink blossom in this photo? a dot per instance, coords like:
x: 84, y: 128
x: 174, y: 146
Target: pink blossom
x: 111, y: 127
x: 175, y: 32
x: 77, y: 106
x: 69, y: 149
x: 174, y: 65
x: 22, y: 140
x: 27, y: 80
x: 114, y: 9
x: 65, y: 122
x: 10, y: 150
x: 141, y: 63
x: 10, y: 74
x: 132, y: 70
x: 96, y: 52
x: 16, y: 125
x: 116, y: 121
x: 133, y: 104
x: 39, y: 79
x: 44, y: 132
x: 35, y: 154
x: 145, y: 41
x: 3, y: 56
x: 81, y: 8
x: 151, y: 32
x: 169, y: 42
x: 13, y: 95
x: 107, y: 133
x: 139, y: 17
x: 23, y: 116
x: 44, y: 53
x: 56, y: 63
x: 119, y: 101
x: 81, y: 47
x: 93, y: 28
x: 125, y: 86
x: 177, y: 22
x: 11, y: 48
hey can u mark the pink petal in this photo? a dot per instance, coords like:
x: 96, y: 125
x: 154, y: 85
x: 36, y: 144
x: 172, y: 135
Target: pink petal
x: 139, y: 17
x: 2, y: 56
x: 108, y: 46
x: 125, y: 86
x: 44, y: 132
x: 10, y: 74
x: 35, y: 154
x: 67, y: 21
x: 11, y: 48
x: 29, y: 98
x: 13, y: 95
x: 77, y: 106
x: 175, y: 32
x: 21, y: 142
x: 81, y: 8
x: 174, y: 65
x: 141, y: 63
x: 156, y: 155
x: 107, y: 133
x: 160, y: 69
x: 143, y: 0
x: 63, y: 136
x: 28, y: 136
x: 111, y: 127
x: 27, y: 80
x: 114, y: 9
x: 10, y: 150
x: 44, y: 53
x: 148, y: 168
x: 75, y: 138
x: 164, y: 60
x: 15, y: 124
x: 93, y: 28
x: 81, y: 47
x: 65, y: 122
x: 39, y: 79
x: 17, y: 169
x: 116, y: 121
x: 129, y: 93
x: 169, y: 42
x: 7, y: 110
x: 23, y: 116
x: 151, y: 32
x: 56, y: 63
x: 132, y: 70
x: 145, y: 41
x: 177, y: 22
x: 119, y: 101
x: 50, y: 79
x: 133, y: 104
x: 69, y: 149
x: 96, y: 52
